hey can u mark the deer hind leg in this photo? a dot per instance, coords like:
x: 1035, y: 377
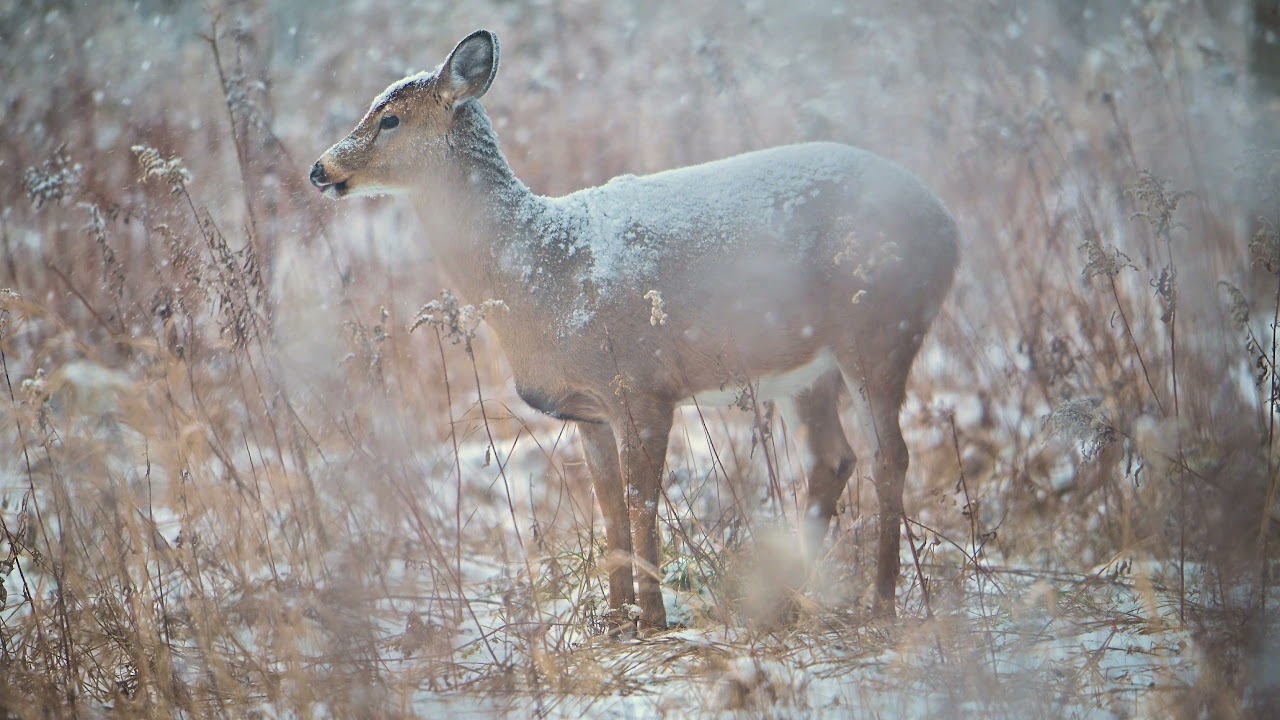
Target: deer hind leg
x: 833, y: 458
x: 642, y: 436
x: 601, y: 450
x: 878, y: 392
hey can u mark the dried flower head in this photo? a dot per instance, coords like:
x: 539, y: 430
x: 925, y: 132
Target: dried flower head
x: 55, y: 179
x: 620, y: 385
x: 35, y: 392
x: 155, y: 166
x: 656, y: 314
x: 868, y: 261
x: 1099, y: 260
x: 1055, y: 362
x: 1153, y: 192
x: 1082, y: 422
x: 459, y: 322
x: 7, y: 298
x: 368, y: 342
x: 36, y: 387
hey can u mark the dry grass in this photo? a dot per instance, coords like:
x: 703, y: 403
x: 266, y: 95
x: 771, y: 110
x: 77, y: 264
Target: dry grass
x: 240, y: 486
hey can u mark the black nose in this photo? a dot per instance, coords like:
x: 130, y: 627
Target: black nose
x: 318, y: 178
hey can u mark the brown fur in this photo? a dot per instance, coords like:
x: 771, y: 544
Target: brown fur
x: 852, y: 257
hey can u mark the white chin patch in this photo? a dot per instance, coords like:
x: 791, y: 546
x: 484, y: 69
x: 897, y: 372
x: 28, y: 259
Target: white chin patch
x: 369, y: 191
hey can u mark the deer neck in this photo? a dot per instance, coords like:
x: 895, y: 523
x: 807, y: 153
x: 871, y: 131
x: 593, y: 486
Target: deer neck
x: 482, y: 218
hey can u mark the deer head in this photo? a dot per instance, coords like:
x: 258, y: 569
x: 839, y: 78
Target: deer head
x: 407, y: 129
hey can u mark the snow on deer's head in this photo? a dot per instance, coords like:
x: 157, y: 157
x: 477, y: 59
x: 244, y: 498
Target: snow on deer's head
x: 404, y: 133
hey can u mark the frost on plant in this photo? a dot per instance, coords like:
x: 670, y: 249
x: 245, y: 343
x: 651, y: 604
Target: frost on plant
x: 54, y: 179
x: 156, y: 167
x: 1082, y: 422
x: 459, y: 322
x: 241, y: 92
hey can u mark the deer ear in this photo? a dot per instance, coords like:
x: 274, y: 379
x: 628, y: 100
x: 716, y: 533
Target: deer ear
x: 471, y: 66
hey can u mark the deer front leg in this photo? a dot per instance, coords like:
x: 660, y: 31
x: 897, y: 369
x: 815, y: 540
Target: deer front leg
x: 601, y: 450
x: 643, y: 436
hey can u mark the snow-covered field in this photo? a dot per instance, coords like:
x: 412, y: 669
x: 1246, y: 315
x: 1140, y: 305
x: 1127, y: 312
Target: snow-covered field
x: 996, y: 641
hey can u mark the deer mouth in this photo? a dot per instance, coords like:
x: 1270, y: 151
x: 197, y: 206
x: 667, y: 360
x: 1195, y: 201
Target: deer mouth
x: 320, y: 178
x: 333, y: 191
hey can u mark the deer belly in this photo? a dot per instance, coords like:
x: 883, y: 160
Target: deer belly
x: 778, y: 386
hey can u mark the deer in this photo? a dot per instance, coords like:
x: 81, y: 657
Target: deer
x: 805, y: 273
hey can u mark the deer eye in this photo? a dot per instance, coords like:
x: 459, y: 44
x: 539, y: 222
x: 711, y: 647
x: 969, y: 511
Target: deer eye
x: 388, y: 122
